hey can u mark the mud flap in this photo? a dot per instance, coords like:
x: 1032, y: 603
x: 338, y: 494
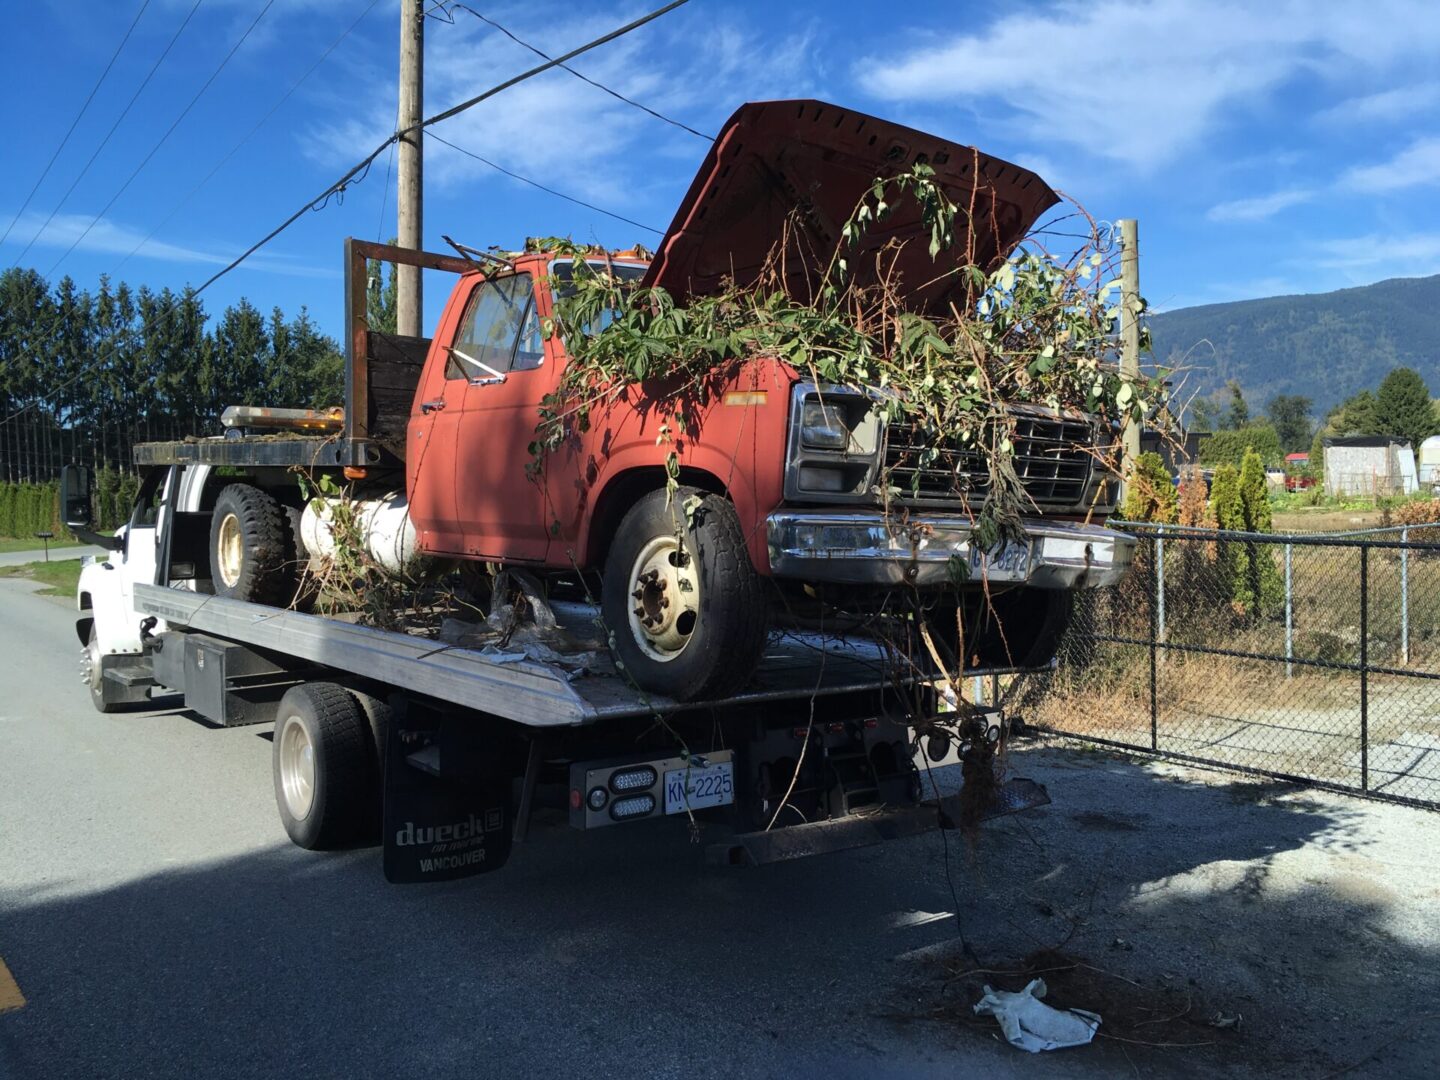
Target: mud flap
x: 447, y: 804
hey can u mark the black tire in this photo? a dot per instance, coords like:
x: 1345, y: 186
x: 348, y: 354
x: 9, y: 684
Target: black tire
x: 705, y: 649
x: 250, y: 555
x: 336, y: 807
x: 305, y: 586
x: 1018, y: 628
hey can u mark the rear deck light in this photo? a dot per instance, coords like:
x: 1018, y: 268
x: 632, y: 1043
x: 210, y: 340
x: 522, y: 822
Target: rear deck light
x: 575, y: 801
x: 871, y: 724
x: 597, y: 798
x: 633, y: 779
x: 799, y: 732
x: 632, y: 806
x: 836, y: 728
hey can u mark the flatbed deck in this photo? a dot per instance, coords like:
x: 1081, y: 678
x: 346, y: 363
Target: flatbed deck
x: 795, y: 665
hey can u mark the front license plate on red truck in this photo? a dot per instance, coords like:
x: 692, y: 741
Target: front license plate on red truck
x: 696, y: 788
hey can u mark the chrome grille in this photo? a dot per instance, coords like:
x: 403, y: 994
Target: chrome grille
x: 1053, y: 456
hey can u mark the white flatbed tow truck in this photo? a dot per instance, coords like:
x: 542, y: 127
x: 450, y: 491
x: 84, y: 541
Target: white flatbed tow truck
x: 444, y: 753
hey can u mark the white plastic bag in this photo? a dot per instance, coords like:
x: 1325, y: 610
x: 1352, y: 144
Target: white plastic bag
x: 1030, y: 1024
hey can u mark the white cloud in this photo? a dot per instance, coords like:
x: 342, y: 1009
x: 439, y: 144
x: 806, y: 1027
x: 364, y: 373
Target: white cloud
x: 1418, y: 163
x: 1144, y: 82
x: 564, y: 133
x: 1414, y: 254
x: 111, y: 238
x: 1260, y: 207
x: 1401, y: 103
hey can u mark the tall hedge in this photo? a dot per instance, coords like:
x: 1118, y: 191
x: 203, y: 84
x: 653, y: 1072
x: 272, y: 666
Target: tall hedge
x: 27, y: 509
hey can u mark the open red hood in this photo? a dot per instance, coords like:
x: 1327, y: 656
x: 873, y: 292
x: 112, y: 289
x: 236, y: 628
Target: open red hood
x: 773, y: 157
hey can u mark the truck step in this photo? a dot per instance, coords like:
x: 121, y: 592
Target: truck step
x: 131, y: 677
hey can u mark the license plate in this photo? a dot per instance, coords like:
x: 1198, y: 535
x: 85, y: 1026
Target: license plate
x: 696, y: 788
x: 1009, y: 561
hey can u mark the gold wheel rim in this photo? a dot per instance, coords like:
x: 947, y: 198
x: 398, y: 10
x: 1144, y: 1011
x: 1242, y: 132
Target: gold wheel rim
x: 230, y: 550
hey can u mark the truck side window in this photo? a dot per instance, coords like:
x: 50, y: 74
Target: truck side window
x: 147, y: 500
x: 491, y: 326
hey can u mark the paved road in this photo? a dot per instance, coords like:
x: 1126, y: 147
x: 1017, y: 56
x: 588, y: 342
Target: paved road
x: 158, y: 923
x: 19, y: 558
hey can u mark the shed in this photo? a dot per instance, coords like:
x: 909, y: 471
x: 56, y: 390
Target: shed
x: 1367, y: 465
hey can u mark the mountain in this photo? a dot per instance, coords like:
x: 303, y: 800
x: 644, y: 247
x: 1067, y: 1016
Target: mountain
x: 1325, y: 346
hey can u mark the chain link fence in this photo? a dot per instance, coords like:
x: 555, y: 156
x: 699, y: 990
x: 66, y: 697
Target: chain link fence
x: 1311, y: 658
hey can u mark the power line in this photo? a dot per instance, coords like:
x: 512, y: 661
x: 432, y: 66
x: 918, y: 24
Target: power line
x: 542, y: 187
x: 73, y: 123
x: 163, y: 138
x: 360, y: 169
x: 338, y: 187
x: 558, y: 62
x: 250, y: 134
x: 585, y: 78
x: 103, y: 142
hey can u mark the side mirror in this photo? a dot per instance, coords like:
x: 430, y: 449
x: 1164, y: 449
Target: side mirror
x: 75, y: 484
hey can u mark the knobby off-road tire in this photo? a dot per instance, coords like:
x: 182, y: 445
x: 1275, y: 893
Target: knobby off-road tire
x: 685, y: 608
x: 250, y: 547
x: 323, y: 759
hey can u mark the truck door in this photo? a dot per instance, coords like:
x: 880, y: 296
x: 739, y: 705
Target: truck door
x: 499, y: 351
x: 142, y: 535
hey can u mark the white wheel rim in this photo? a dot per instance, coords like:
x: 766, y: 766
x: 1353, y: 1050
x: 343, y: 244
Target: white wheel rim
x: 663, y: 599
x: 230, y: 550
x: 297, y: 768
x: 90, y: 666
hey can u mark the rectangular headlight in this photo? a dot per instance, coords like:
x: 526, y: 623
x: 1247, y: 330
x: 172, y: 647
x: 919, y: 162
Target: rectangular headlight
x: 822, y: 427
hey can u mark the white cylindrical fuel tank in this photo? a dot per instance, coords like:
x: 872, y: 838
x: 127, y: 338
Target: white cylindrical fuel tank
x: 383, y: 523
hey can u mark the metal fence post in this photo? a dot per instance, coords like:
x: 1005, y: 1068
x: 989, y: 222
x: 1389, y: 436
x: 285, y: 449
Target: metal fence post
x: 1155, y: 657
x: 1289, y: 615
x: 1405, y: 599
x: 1364, y: 667
x: 1160, y: 583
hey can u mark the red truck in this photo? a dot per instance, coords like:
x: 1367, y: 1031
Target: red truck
x: 779, y: 491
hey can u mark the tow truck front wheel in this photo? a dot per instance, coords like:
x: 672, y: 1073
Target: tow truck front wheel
x: 324, y: 762
x: 683, y: 603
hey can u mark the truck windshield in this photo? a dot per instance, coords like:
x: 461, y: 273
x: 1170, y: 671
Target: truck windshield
x: 561, y: 271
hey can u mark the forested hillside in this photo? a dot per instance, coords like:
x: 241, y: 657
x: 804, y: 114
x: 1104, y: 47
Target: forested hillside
x: 1326, y: 347
x: 84, y: 376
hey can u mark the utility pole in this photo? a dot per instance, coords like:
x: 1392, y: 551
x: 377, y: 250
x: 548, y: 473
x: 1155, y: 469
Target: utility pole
x: 1130, y: 328
x: 409, y: 190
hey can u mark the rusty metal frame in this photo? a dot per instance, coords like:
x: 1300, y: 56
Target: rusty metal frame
x: 357, y: 326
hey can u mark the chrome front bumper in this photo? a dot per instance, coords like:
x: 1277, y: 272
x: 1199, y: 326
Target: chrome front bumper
x: 863, y: 548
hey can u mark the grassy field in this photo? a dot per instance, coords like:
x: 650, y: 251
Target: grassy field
x: 60, y: 578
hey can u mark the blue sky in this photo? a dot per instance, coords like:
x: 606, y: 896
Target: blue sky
x: 1289, y: 146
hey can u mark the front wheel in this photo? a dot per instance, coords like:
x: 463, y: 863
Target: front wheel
x: 105, y: 695
x: 684, y: 606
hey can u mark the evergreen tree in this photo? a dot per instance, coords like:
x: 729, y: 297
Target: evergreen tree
x: 1238, y: 415
x: 1290, y: 415
x: 380, y: 298
x: 1258, y: 587
x: 1149, y: 494
x: 1404, y: 408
